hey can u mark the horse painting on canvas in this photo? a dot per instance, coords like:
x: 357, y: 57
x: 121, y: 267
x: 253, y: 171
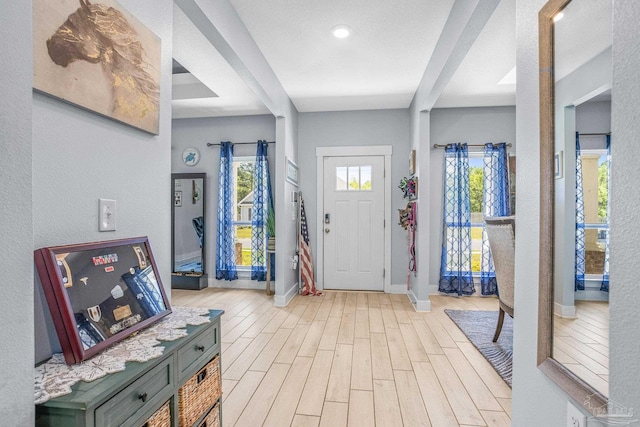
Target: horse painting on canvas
x: 101, y: 35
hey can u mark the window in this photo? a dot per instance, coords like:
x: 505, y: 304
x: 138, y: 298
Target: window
x: 353, y: 178
x: 595, y: 187
x: 476, y: 189
x: 243, y: 173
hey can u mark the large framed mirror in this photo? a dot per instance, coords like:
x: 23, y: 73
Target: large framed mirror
x: 188, y: 231
x: 575, y: 123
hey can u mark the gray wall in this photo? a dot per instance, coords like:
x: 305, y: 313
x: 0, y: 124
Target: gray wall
x: 356, y: 128
x: 536, y: 399
x: 450, y: 125
x: 196, y: 133
x: 624, y: 299
x: 79, y: 157
x: 16, y: 228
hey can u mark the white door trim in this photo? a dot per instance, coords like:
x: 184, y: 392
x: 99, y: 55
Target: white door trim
x: 364, y: 150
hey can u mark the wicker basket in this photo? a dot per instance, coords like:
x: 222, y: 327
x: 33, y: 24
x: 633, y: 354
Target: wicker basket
x: 199, y: 393
x: 160, y: 418
x: 213, y: 418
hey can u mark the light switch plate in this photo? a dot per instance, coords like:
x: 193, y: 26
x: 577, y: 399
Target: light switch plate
x: 107, y: 214
x: 575, y: 418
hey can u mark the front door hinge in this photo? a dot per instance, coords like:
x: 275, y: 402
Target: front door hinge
x: 384, y: 271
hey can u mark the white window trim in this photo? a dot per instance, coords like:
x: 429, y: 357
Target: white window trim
x: 355, y: 151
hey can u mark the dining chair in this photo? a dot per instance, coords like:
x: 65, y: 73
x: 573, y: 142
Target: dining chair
x: 501, y: 234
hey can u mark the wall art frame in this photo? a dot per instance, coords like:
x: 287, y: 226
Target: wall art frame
x: 99, y: 57
x: 291, y: 172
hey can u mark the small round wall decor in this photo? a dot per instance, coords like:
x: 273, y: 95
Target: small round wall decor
x: 190, y: 156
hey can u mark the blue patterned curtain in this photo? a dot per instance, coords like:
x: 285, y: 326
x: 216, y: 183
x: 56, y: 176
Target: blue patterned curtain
x: 455, y: 263
x: 496, y: 202
x: 262, y: 203
x: 605, y: 274
x: 579, y: 266
x: 225, y: 256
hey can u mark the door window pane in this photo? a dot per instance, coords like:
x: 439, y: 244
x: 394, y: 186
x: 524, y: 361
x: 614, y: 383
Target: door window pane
x: 365, y: 178
x: 354, y: 178
x: 341, y: 178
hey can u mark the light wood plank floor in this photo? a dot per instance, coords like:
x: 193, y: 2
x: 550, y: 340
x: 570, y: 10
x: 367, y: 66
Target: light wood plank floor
x: 582, y: 344
x: 351, y: 358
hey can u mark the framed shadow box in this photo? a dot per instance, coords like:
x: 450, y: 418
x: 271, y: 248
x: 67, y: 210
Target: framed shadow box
x: 100, y: 293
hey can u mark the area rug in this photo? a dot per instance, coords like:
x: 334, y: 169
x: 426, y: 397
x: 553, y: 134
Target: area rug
x: 479, y: 327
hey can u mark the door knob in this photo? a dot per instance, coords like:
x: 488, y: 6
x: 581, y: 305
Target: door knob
x: 326, y: 230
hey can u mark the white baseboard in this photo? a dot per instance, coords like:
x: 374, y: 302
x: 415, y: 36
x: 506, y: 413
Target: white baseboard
x: 419, y: 305
x: 564, y: 311
x: 283, y: 300
x: 395, y: 288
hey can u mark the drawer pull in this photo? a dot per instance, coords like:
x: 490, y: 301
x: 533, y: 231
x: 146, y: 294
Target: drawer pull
x: 143, y: 397
x: 200, y: 347
x: 201, y: 376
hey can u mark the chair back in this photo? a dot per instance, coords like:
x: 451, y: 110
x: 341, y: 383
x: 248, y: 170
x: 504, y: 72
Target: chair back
x: 501, y: 234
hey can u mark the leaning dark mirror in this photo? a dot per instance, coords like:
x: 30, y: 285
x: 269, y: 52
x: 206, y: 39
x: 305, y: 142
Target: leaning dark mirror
x: 188, y: 230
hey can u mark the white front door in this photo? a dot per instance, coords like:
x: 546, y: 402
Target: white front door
x: 353, y: 223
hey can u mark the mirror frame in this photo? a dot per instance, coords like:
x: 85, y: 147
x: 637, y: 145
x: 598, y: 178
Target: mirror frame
x: 174, y: 177
x: 574, y: 386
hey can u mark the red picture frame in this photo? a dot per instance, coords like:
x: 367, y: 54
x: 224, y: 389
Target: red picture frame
x: 100, y: 293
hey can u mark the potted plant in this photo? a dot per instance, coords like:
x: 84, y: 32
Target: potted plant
x: 271, y: 229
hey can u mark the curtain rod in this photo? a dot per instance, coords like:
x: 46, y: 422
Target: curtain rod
x: 594, y: 134
x: 211, y: 144
x: 468, y: 145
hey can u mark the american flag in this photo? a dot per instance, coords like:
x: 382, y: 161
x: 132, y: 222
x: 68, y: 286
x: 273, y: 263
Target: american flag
x: 306, y: 262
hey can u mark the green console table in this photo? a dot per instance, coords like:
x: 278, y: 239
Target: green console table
x: 131, y: 397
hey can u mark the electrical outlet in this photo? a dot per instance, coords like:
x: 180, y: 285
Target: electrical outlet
x: 107, y: 214
x: 575, y: 418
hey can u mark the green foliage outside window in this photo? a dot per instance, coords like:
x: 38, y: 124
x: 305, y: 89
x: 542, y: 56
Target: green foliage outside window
x: 476, y: 185
x: 603, y: 189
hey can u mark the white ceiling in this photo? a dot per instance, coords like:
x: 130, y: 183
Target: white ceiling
x: 379, y: 67
x: 584, y: 32
x: 194, y: 52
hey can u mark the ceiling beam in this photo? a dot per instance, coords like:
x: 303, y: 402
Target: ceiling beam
x: 464, y: 24
x: 219, y: 22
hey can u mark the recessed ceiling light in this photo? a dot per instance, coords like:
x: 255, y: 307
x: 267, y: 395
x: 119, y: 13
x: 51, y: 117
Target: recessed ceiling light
x: 558, y: 16
x: 341, y: 31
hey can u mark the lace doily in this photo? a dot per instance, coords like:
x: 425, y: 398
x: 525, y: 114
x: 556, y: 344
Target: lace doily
x: 55, y: 378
